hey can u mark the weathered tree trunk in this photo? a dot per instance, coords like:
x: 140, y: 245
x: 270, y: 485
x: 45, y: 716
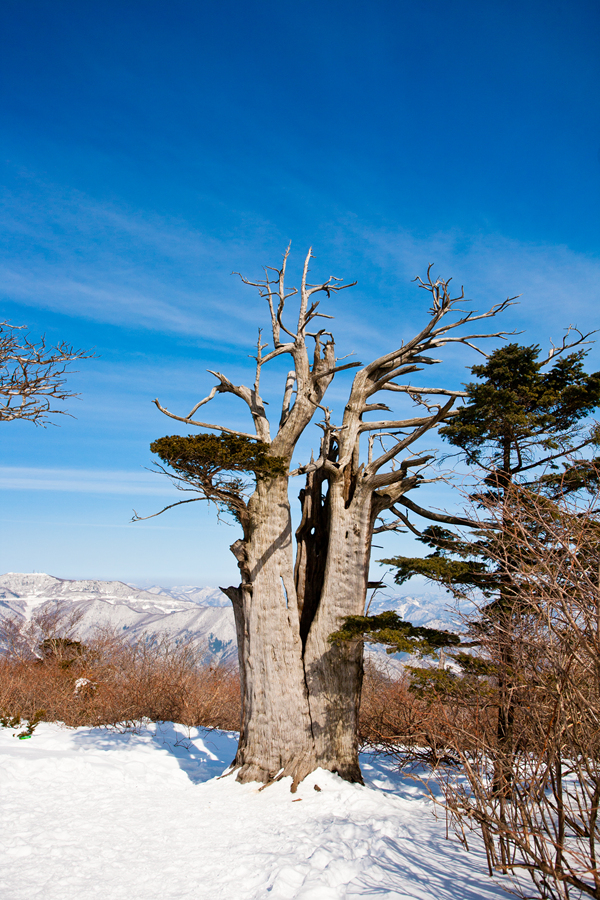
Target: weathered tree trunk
x: 276, y: 735
x: 334, y: 672
x: 301, y: 693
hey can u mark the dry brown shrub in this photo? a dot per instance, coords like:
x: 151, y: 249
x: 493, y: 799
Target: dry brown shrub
x: 110, y: 680
x: 396, y: 721
x: 533, y: 790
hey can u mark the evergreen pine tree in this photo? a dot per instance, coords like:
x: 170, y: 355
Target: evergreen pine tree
x: 523, y: 419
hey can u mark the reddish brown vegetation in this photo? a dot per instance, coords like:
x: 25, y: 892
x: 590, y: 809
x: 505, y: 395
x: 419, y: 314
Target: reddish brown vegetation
x: 111, y: 681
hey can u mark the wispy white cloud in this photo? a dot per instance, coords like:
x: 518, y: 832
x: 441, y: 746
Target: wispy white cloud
x: 103, y: 300
x: 71, y: 254
x: 558, y: 286
x: 83, y: 481
x: 107, y: 526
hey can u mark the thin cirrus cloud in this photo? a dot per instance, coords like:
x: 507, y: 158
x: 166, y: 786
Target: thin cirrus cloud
x: 554, y: 282
x: 92, y: 296
x: 73, y: 255
x: 82, y: 481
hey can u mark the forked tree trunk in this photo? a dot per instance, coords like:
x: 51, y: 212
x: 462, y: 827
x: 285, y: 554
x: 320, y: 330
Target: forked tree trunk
x: 334, y: 672
x: 300, y: 693
x: 276, y: 736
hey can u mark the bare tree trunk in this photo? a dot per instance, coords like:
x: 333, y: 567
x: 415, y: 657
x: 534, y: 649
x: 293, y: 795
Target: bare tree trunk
x: 276, y: 735
x: 300, y: 704
x: 334, y: 672
x: 301, y: 697
x: 300, y: 693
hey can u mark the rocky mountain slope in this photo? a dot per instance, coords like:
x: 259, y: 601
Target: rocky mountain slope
x: 122, y: 606
x: 181, y: 612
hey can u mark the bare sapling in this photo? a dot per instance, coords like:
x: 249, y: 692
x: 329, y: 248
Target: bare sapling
x: 32, y: 376
x: 542, y: 817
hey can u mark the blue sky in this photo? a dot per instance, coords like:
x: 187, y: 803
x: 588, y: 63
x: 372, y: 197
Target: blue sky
x: 150, y: 148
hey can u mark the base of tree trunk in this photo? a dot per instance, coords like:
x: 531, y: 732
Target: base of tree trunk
x: 297, y: 769
x: 349, y: 772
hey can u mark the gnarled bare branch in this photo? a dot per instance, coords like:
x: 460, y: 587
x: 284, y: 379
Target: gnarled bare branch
x: 581, y: 340
x: 202, y: 402
x: 137, y: 518
x: 396, y: 425
x: 32, y: 376
x: 222, y: 428
x: 434, y: 516
x: 426, y: 425
x: 287, y: 396
x: 408, y: 389
x: 352, y: 365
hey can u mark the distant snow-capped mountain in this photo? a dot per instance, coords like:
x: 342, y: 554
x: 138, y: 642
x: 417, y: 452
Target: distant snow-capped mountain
x: 185, y: 611
x: 38, y: 588
x: 123, y: 606
x: 431, y: 610
x: 206, y: 596
x: 434, y: 610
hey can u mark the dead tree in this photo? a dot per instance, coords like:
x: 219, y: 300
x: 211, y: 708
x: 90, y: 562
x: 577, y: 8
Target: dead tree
x: 32, y: 376
x: 300, y: 692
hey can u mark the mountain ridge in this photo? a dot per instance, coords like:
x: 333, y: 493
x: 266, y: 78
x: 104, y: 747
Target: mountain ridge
x: 181, y: 612
x: 115, y: 604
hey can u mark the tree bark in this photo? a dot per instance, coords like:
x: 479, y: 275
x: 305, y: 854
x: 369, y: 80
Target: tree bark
x: 300, y: 693
x: 276, y: 732
x: 334, y: 672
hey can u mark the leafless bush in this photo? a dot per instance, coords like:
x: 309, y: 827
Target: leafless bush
x: 412, y: 725
x: 109, y: 680
x: 532, y: 790
x: 535, y: 797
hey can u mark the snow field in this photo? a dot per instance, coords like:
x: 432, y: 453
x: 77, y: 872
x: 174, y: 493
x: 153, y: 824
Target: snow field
x: 87, y: 813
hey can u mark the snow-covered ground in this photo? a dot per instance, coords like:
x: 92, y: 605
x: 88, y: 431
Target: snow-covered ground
x: 88, y: 813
